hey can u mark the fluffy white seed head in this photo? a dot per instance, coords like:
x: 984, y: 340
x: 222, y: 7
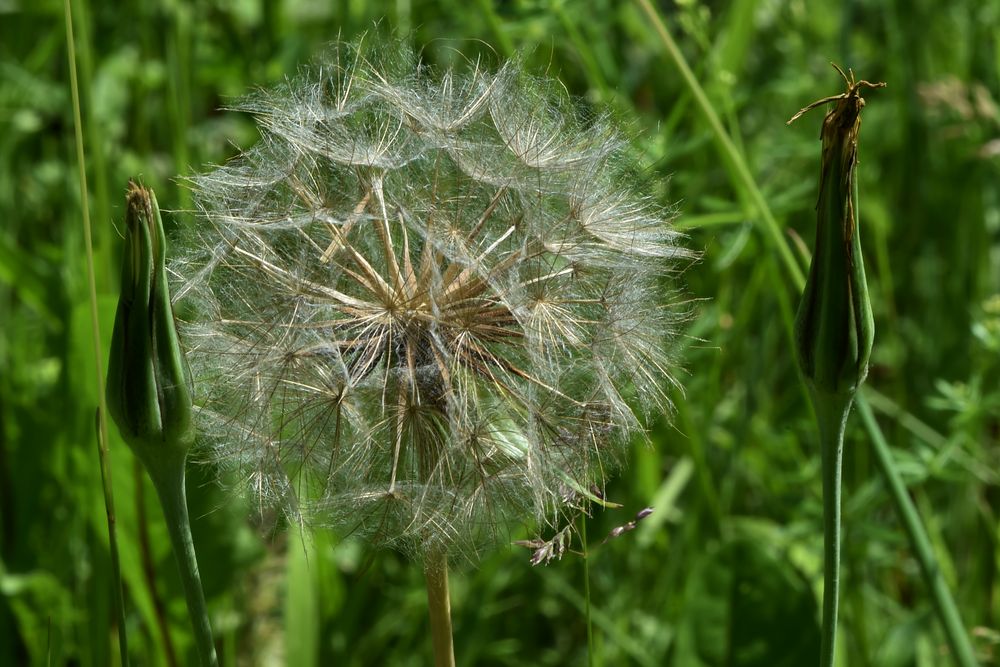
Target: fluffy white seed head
x: 424, y: 305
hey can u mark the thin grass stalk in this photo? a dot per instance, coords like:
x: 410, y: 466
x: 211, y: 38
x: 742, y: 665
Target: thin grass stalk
x: 94, y: 138
x: 439, y: 605
x: 726, y: 146
x: 103, y: 455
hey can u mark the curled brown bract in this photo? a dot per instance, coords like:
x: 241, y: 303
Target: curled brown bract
x: 848, y: 104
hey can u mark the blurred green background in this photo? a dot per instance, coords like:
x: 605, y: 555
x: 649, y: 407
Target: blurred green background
x: 727, y: 571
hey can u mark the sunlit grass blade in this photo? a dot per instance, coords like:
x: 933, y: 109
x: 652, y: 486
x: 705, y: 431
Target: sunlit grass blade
x: 102, y: 427
x: 739, y: 170
x: 944, y: 604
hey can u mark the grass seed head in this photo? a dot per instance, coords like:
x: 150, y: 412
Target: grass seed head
x: 427, y: 303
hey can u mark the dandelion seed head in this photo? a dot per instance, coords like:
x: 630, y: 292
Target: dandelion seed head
x: 425, y: 304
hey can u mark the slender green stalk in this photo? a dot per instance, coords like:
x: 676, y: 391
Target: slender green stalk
x: 439, y: 605
x: 944, y: 604
x: 831, y: 415
x: 586, y: 591
x: 95, y: 138
x: 726, y: 146
x: 102, y: 424
x: 149, y: 568
x: 169, y: 483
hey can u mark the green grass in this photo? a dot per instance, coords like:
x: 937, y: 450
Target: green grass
x: 729, y: 573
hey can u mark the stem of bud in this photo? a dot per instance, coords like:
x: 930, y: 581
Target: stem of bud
x: 831, y: 416
x: 169, y: 483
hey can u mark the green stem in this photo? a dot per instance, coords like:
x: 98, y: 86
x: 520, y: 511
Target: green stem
x: 586, y: 590
x: 439, y: 605
x: 149, y: 569
x: 954, y: 629
x: 831, y: 416
x: 169, y: 482
x: 103, y: 456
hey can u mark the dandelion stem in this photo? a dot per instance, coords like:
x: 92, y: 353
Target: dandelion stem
x: 831, y: 416
x: 439, y: 604
x: 169, y: 483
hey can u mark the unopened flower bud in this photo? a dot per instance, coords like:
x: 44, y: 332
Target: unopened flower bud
x: 148, y: 390
x: 834, y: 329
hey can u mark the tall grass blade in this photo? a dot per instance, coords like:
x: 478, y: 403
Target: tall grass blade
x: 944, y: 604
x: 102, y: 425
x: 737, y: 166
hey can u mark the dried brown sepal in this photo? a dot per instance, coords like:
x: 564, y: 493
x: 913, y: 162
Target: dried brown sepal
x: 834, y: 327
x: 851, y: 95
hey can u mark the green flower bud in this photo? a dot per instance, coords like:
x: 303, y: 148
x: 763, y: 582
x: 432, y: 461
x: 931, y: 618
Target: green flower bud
x: 148, y: 389
x: 834, y: 329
